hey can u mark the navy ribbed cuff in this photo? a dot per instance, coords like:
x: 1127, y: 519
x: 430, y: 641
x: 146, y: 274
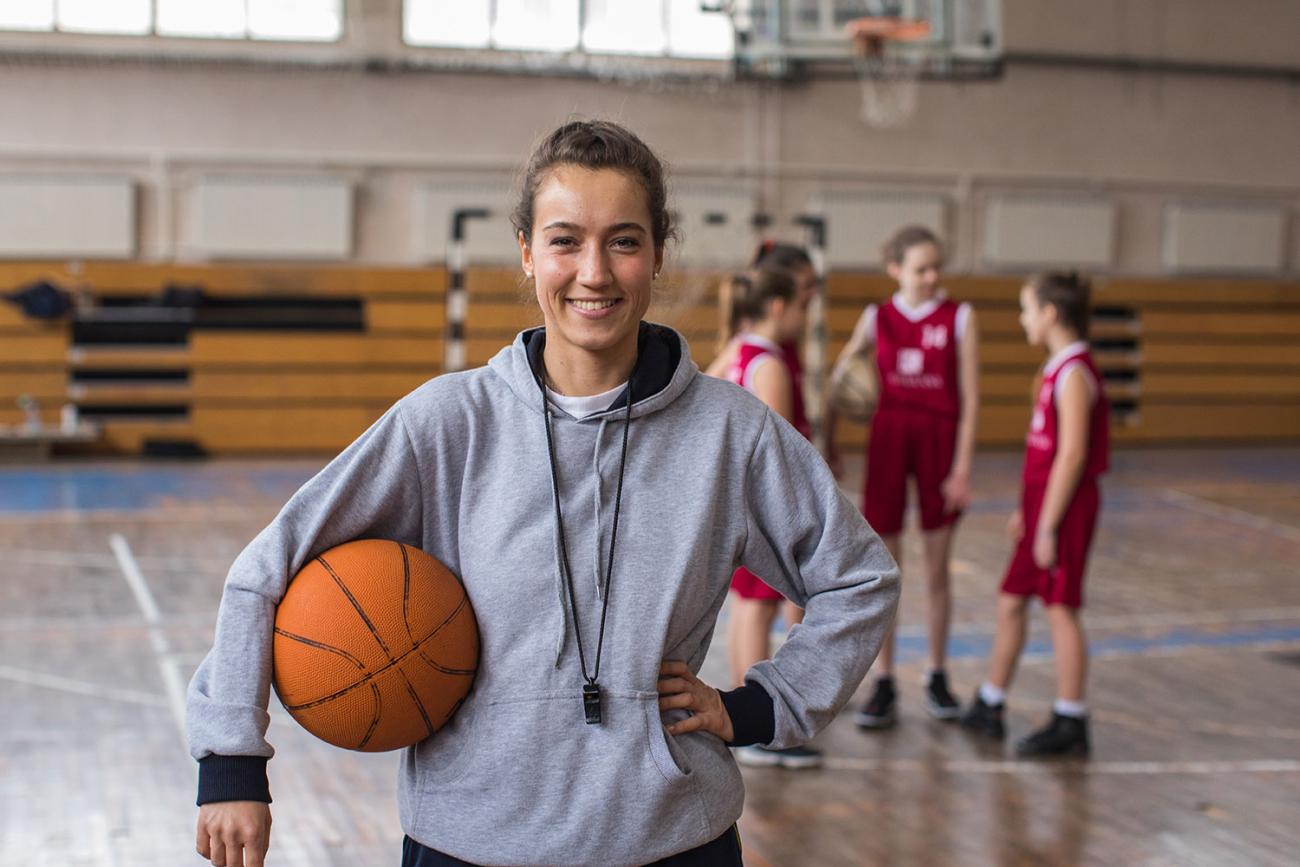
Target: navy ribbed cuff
x: 753, y: 715
x: 233, y: 778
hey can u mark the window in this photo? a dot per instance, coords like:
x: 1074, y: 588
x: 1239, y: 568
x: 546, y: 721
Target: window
x: 27, y: 15
x: 675, y: 28
x: 536, y: 25
x: 96, y: 16
x: 296, y: 20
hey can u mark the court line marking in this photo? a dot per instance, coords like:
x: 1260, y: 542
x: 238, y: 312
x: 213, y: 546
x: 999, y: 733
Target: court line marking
x: 80, y: 687
x: 1120, y: 768
x: 1193, y: 503
x: 167, y: 666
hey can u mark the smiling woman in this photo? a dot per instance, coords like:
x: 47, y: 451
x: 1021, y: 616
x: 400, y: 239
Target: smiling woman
x: 588, y: 737
x: 596, y: 195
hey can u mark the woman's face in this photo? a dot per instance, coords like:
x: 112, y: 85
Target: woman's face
x: 592, y: 257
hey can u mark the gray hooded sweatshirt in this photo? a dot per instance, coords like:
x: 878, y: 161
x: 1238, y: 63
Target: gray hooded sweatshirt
x: 459, y: 468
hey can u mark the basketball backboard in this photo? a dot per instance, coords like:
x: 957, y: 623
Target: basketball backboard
x: 793, y: 38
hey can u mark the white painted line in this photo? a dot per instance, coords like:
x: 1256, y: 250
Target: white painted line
x: 167, y: 667
x: 79, y: 687
x: 134, y: 578
x: 1000, y: 766
x: 1229, y: 513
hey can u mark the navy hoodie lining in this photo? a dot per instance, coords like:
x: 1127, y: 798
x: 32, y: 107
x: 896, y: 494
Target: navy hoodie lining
x: 659, y: 352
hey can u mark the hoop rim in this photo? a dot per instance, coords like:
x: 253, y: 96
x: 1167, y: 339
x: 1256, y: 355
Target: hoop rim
x: 887, y: 28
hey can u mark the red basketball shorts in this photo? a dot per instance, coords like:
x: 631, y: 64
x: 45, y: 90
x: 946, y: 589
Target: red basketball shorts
x: 903, y: 443
x: 1063, y: 583
x: 749, y: 586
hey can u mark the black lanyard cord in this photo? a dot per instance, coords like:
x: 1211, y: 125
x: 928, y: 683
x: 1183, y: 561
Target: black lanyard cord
x: 613, y: 537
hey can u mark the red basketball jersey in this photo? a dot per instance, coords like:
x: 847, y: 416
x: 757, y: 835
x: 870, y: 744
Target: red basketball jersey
x: 917, y: 357
x: 740, y: 371
x: 1044, y: 432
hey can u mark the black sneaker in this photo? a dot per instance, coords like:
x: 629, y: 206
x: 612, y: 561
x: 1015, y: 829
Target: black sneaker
x: 878, y: 712
x: 985, y: 719
x: 1063, y: 736
x: 939, y: 700
x: 795, y: 758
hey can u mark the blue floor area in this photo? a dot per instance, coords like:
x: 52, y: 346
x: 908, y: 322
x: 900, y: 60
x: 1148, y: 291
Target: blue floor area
x: 134, y: 487
x: 915, y: 648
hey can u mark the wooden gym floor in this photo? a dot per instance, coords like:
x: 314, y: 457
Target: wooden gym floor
x: 110, y: 575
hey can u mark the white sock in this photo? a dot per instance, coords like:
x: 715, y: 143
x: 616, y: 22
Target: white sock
x: 992, y: 695
x: 1065, y: 707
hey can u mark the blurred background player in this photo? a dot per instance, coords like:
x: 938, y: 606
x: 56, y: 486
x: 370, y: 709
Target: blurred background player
x: 926, y: 348
x: 1066, y: 450
x: 773, y: 311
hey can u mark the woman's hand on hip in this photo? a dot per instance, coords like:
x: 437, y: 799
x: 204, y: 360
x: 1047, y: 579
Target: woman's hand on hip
x: 680, y: 689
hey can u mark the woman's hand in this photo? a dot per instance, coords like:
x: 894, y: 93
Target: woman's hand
x: 1044, y: 548
x: 679, y: 689
x: 234, y: 833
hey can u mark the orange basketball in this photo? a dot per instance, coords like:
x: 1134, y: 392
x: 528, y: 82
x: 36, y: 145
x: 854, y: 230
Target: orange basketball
x: 375, y: 646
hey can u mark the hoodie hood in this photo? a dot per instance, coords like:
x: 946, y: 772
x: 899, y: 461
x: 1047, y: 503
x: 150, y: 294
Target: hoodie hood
x: 663, y: 370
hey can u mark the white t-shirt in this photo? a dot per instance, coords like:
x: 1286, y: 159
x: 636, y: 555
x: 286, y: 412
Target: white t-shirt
x: 581, y: 407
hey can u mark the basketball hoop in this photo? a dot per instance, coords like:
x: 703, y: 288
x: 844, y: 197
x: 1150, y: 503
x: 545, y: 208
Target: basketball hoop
x: 889, y: 76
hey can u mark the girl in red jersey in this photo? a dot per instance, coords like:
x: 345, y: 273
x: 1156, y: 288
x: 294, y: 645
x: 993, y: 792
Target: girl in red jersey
x: 1067, y: 449
x: 775, y: 311
x: 926, y: 348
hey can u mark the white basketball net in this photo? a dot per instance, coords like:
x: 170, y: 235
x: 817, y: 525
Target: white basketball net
x: 890, y: 85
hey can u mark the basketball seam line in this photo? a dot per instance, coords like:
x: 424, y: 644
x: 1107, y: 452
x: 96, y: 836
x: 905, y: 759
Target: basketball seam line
x: 374, y: 722
x: 356, y: 605
x: 340, y: 651
x: 392, y: 662
x: 406, y: 621
x: 406, y: 592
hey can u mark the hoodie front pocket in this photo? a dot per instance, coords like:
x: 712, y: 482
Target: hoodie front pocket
x: 535, y: 767
x: 671, y: 761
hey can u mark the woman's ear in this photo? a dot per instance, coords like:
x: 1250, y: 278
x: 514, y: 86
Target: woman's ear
x: 525, y: 255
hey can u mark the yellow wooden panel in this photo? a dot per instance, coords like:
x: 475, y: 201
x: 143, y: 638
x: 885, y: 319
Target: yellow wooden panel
x: 504, y: 282
x: 1206, y: 420
x: 135, y: 357
x: 1181, y: 292
x: 13, y: 320
x: 1158, y: 383
x: 135, y: 278
x: 44, y: 384
x: 1227, y: 355
x: 428, y: 315
x: 244, y: 348
x: 294, y: 385
x: 288, y: 430
x: 34, y: 349
x: 502, y: 316
x: 1278, y: 323
x: 128, y: 393
x: 11, y: 415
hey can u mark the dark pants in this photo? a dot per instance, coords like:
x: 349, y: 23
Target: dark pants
x: 721, y: 852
